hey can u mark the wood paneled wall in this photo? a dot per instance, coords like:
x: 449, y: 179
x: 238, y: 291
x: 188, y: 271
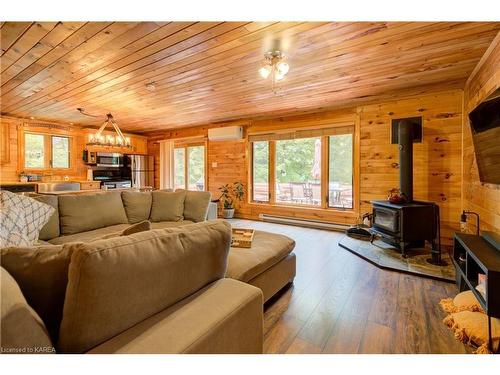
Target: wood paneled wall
x: 478, y: 197
x: 437, y: 160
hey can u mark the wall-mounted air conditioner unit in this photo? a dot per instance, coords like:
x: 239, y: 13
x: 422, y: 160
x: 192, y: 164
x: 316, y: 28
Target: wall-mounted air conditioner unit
x: 229, y: 133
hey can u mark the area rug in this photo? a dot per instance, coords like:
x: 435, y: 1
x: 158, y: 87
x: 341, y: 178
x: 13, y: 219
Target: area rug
x: 386, y: 256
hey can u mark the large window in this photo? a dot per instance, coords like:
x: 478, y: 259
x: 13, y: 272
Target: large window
x: 180, y: 168
x: 260, y: 171
x: 340, y: 171
x: 307, y: 167
x: 298, y: 171
x: 189, y: 164
x: 46, y: 151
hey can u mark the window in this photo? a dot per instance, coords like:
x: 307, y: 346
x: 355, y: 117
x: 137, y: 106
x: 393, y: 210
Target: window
x: 46, y: 151
x: 298, y: 171
x: 180, y: 168
x: 340, y: 171
x: 260, y: 172
x: 196, y: 168
x: 34, y: 151
x: 60, y: 152
x: 310, y: 167
x: 189, y: 162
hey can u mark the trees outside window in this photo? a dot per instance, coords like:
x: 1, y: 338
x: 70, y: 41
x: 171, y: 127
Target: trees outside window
x: 298, y: 171
x: 46, y: 151
x: 340, y: 171
x: 307, y: 167
x: 260, y: 171
x: 196, y: 167
x: 180, y: 168
x: 189, y: 167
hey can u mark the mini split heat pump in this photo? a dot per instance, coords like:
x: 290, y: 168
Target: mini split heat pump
x: 229, y: 133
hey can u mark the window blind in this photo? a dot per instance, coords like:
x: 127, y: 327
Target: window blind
x: 303, y: 133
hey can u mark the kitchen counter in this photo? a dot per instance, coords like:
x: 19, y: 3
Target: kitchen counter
x: 18, y: 183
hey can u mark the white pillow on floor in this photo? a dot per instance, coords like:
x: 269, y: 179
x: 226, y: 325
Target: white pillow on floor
x: 21, y: 219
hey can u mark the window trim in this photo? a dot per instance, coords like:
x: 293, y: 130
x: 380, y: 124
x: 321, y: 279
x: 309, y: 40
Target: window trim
x: 185, y: 145
x: 47, y: 151
x: 325, y: 155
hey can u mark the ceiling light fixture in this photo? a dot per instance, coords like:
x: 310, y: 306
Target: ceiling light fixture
x: 274, y: 66
x: 151, y: 86
x: 98, y: 139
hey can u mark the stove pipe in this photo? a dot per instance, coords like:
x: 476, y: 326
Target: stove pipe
x: 405, y: 140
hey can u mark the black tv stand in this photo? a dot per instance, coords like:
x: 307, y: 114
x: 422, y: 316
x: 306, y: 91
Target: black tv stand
x: 474, y: 255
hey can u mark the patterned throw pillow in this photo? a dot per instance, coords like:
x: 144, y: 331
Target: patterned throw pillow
x: 21, y: 219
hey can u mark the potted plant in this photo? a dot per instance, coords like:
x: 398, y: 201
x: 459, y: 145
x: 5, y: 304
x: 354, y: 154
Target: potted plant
x: 230, y: 194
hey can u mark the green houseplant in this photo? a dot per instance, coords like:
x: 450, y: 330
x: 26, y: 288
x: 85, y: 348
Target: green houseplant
x: 229, y: 195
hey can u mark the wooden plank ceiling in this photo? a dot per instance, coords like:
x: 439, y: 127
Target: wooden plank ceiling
x: 207, y: 71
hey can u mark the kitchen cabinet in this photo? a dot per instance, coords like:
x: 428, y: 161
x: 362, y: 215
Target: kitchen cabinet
x: 4, y: 142
x: 90, y: 185
x: 139, y: 145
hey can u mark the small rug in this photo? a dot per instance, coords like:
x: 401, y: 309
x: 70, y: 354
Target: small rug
x: 386, y: 256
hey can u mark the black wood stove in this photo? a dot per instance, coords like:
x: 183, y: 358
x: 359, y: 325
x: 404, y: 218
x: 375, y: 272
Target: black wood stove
x: 407, y: 225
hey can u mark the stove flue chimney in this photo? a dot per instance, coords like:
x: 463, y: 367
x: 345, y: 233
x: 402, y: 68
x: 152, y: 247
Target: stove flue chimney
x: 405, y: 132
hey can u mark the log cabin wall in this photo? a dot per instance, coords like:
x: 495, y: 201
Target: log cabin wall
x: 437, y: 161
x: 478, y: 197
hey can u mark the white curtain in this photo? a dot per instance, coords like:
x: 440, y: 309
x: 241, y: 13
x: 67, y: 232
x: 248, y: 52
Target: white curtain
x: 167, y: 165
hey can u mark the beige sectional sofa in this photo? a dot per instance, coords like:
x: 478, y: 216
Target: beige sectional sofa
x: 159, y: 291
x: 219, y: 313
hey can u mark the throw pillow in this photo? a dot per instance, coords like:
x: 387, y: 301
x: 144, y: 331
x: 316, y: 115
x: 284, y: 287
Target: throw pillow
x: 21, y: 218
x: 465, y: 301
x: 168, y: 206
x: 136, y: 228
x: 42, y: 274
x: 471, y: 327
x: 196, y: 205
x: 137, y: 205
x: 22, y: 329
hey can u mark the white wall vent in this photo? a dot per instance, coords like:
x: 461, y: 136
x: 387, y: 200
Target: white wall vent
x: 229, y: 133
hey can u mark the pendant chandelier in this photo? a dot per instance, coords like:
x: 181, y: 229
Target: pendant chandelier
x: 274, y: 66
x: 98, y: 139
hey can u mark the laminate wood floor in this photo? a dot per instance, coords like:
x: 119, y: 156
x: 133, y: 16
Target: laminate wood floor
x: 339, y: 303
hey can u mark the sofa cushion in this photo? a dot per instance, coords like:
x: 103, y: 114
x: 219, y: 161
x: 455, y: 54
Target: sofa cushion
x: 167, y: 206
x: 196, y: 205
x: 51, y: 229
x: 90, y: 235
x: 42, y: 274
x: 116, y: 283
x: 213, y: 320
x: 84, y: 212
x: 22, y: 329
x: 267, y: 250
x: 137, y: 205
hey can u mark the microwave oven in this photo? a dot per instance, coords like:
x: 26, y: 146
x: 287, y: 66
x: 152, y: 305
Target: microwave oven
x: 108, y: 159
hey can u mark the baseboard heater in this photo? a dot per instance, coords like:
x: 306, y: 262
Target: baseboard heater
x: 310, y: 223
